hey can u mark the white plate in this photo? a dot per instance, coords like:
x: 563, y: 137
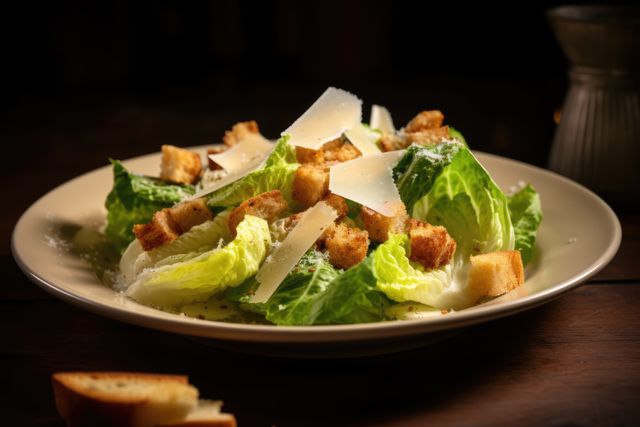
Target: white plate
x: 579, y: 235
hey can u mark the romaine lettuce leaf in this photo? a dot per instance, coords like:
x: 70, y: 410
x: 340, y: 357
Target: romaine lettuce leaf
x: 418, y: 169
x: 464, y: 199
x: 526, y: 215
x: 314, y: 292
x: 276, y: 174
x: 134, y: 199
x: 198, y: 240
x: 403, y: 280
x: 197, y: 279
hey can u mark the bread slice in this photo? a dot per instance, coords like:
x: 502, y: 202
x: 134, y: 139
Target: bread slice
x: 495, y: 273
x: 132, y: 400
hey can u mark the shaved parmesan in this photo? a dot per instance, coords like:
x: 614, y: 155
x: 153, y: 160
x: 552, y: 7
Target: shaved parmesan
x: 381, y: 119
x: 368, y: 180
x: 250, y: 151
x: 364, y: 139
x: 333, y: 113
x: 224, y: 181
x: 284, y: 257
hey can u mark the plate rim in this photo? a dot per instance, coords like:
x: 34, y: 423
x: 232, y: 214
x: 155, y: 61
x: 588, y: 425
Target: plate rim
x: 174, y: 323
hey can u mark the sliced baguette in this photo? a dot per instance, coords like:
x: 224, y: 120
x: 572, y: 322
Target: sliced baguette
x: 495, y: 273
x: 131, y: 400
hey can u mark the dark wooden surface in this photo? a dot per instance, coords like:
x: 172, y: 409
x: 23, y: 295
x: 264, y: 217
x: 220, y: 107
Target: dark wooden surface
x: 572, y: 362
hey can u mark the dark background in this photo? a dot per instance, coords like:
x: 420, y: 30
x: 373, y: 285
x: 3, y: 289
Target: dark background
x: 120, y: 78
x: 84, y: 81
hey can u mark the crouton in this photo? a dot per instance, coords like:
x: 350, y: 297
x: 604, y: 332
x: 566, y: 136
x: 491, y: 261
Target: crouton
x: 425, y: 120
x: 180, y: 165
x: 391, y: 142
x: 311, y: 183
x: 269, y: 206
x: 338, y: 203
x: 346, y: 245
x: 496, y: 273
x: 379, y: 226
x: 427, y: 136
x: 307, y: 155
x: 239, y: 131
x: 216, y: 150
x: 159, y: 231
x: 166, y: 225
x: 341, y: 152
x: 189, y: 214
x: 431, y: 246
x: 338, y: 150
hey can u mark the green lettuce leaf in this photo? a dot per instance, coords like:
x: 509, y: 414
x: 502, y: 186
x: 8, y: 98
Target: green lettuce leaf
x: 197, y: 279
x: 403, y: 280
x: 316, y: 293
x: 198, y: 240
x: 134, y: 199
x: 418, y: 169
x: 465, y: 200
x: 455, y: 134
x: 526, y: 215
x: 276, y: 174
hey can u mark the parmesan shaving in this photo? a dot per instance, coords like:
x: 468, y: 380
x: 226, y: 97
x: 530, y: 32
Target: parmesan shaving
x: 284, y: 257
x: 381, y: 119
x: 333, y: 113
x: 363, y: 139
x: 368, y: 180
x: 250, y: 151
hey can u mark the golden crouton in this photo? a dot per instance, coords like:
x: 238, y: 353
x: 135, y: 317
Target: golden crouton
x: 167, y: 224
x: 495, y: 273
x: 189, y: 214
x: 338, y: 150
x: 346, y: 245
x: 338, y: 203
x: 307, y: 155
x: 161, y: 230
x: 311, y: 183
x: 425, y: 120
x: 379, y: 226
x: 427, y: 136
x: 341, y: 153
x: 431, y: 246
x: 180, y: 165
x: 216, y: 150
x: 269, y: 206
x: 239, y: 131
x: 391, y: 142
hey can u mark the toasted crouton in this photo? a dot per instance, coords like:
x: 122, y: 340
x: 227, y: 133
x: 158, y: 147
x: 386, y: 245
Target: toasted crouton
x: 496, y: 273
x: 159, y: 231
x: 427, y: 136
x: 379, y: 226
x: 189, y: 214
x: 346, y: 245
x: 425, y: 120
x: 338, y: 203
x: 239, y: 131
x: 341, y: 152
x: 311, y: 183
x: 338, y: 150
x: 180, y: 165
x: 269, y: 206
x: 216, y: 150
x: 166, y: 225
x: 308, y: 155
x: 431, y: 246
x: 391, y: 142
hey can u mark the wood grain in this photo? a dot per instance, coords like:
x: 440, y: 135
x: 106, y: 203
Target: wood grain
x: 575, y: 361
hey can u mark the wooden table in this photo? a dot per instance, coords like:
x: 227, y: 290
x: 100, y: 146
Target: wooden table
x: 574, y: 361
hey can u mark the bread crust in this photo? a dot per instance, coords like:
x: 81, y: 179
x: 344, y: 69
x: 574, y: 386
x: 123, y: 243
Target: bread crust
x: 80, y: 406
